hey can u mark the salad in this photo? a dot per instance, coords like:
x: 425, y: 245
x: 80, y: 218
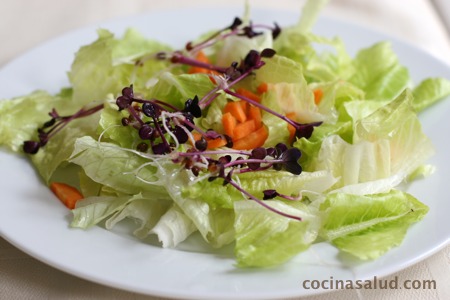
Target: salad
x: 249, y: 135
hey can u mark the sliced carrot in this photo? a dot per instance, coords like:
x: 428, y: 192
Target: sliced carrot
x: 211, y: 143
x: 262, y: 88
x: 201, y: 57
x: 254, y: 113
x: 243, y: 129
x: 68, y: 195
x: 229, y: 123
x: 216, y: 143
x: 244, y: 105
x: 248, y: 94
x: 318, y: 94
x: 253, y: 140
x: 237, y: 110
x: 290, y: 127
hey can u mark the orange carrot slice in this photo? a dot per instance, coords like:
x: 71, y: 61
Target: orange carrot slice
x: 68, y: 195
x: 253, y: 140
x: 216, y: 143
x: 262, y: 88
x: 318, y: 94
x: 202, y: 58
x: 243, y: 129
x: 254, y: 113
x: 237, y: 110
x: 211, y: 143
x: 290, y: 127
x: 248, y: 94
x: 229, y: 123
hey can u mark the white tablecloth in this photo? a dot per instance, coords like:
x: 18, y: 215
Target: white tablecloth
x: 24, y: 24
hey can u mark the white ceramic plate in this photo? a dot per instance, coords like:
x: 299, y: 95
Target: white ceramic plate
x: 34, y: 221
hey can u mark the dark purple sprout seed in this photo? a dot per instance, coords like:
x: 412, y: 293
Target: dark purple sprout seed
x: 180, y: 134
x: 142, y: 147
x: 269, y: 194
x: 146, y: 132
x: 201, y: 144
x: 31, y: 147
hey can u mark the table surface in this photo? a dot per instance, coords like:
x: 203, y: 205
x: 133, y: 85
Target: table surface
x: 419, y: 23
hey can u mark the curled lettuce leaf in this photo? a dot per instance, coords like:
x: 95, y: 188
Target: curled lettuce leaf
x: 266, y: 239
x: 379, y: 73
x: 429, y: 91
x: 368, y: 226
x: 106, y: 66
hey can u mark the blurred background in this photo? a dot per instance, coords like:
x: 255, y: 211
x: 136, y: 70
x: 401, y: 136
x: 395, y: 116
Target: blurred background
x: 25, y: 24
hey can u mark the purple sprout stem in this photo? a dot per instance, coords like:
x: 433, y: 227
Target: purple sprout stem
x: 179, y: 58
x: 248, y: 170
x: 135, y: 115
x: 205, y: 101
x: 213, y: 39
x: 236, y: 186
x: 157, y: 103
x: 195, y: 127
x: 158, y: 128
x: 65, y: 120
x: 291, y: 198
x: 291, y: 122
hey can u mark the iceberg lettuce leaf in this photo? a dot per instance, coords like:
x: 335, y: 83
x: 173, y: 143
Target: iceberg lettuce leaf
x: 266, y: 239
x: 368, y: 226
x: 379, y: 73
x: 429, y: 91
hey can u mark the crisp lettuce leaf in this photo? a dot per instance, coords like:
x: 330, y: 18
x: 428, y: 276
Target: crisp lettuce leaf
x: 93, y: 210
x: 329, y: 61
x: 310, y: 13
x: 335, y: 94
x: 235, y: 48
x: 429, y: 91
x: 266, y: 239
x: 116, y: 168
x: 354, y: 163
x: 379, y: 73
x: 212, y: 222
x: 255, y: 183
x: 146, y: 212
x: 58, y: 150
x: 213, y: 118
x: 387, y: 142
x: 332, y: 62
x: 21, y: 117
x: 134, y: 46
x: 106, y: 66
x: 310, y: 147
x: 111, y: 128
x: 368, y: 226
x: 176, y: 89
x: 280, y: 69
x: 294, y: 98
x: 173, y: 227
x: 397, y: 123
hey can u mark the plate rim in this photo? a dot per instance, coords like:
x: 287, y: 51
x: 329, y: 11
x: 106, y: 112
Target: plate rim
x: 396, y: 40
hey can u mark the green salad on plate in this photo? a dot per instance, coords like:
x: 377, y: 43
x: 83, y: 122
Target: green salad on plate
x: 249, y: 135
